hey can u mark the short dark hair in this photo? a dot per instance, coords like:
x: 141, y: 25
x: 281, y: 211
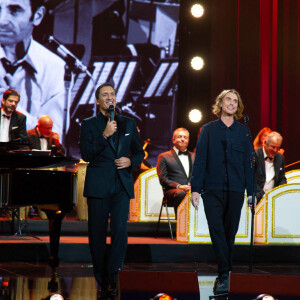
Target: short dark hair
x: 35, y: 4
x: 10, y: 92
x: 101, y: 86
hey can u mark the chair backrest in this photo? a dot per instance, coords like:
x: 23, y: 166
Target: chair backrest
x: 293, y: 176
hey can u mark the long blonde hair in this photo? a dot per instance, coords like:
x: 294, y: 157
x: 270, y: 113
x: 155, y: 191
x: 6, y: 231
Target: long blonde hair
x: 216, y: 108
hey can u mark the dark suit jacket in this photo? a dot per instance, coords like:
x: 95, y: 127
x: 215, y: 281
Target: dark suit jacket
x: 170, y: 170
x: 101, y: 154
x: 17, y: 127
x: 34, y: 140
x: 260, y: 171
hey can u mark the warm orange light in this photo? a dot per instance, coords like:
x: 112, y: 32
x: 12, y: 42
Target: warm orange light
x: 165, y: 297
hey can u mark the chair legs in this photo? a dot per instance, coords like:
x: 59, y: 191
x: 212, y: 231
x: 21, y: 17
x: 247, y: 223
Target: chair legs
x: 157, y: 226
x: 159, y: 218
x: 166, y: 206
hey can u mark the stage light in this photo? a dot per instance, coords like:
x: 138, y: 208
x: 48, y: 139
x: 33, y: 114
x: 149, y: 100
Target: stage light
x: 195, y: 115
x: 264, y: 297
x: 56, y: 297
x: 197, y: 10
x: 197, y: 63
x: 162, y: 296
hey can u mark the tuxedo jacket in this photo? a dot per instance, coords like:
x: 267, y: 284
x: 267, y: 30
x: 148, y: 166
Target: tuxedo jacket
x: 101, y: 153
x: 34, y: 140
x: 260, y: 171
x: 17, y: 127
x: 170, y: 170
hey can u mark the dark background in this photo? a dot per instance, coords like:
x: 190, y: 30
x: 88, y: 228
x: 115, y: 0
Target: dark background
x: 254, y: 47
x: 250, y: 45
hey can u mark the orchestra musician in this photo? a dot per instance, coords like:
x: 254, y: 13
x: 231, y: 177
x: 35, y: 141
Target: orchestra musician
x: 43, y: 138
x: 12, y: 122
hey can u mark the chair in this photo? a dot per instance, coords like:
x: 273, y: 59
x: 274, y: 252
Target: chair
x: 164, y: 204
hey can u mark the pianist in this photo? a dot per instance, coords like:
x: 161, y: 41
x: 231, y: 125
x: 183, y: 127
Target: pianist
x: 43, y: 138
x: 12, y: 122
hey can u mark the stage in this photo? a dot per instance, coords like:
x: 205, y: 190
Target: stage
x: 33, y: 244
x: 25, y: 256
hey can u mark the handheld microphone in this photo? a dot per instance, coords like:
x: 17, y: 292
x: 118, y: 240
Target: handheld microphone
x: 67, y: 55
x: 112, y: 112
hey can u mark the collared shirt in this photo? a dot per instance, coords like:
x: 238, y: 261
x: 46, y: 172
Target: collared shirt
x: 184, y: 160
x: 44, y: 143
x: 4, y: 127
x: 270, y: 174
x: 39, y: 78
x: 223, y: 159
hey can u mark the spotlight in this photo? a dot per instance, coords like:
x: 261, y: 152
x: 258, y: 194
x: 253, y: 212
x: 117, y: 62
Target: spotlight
x: 162, y: 296
x: 195, y: 115
x: 197, y: 63
x: 197, y: 10
x: 264, y: 297
x: 55, y: 297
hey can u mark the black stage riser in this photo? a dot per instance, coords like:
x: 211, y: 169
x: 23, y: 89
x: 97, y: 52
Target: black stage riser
x: 169, y: 253
x: 141, y: 285
x: 249, y: 286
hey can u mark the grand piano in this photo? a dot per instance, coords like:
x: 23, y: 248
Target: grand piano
x: 29, y: 177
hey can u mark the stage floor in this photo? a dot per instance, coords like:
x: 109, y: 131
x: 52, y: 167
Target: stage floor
x: 24, y: 273
x: 22, y: 281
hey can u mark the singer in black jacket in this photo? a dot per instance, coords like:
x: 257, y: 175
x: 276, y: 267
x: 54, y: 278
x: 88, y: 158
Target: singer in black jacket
x: 113, y: 149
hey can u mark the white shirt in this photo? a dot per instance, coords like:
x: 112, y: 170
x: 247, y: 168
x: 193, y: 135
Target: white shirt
x: 4, y: 127
x: 41, y: 85
x: 184, y: 160
x: 44, y: 143
x: 270, y: 174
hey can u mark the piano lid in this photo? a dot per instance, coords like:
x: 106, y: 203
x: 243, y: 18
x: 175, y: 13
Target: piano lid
x: 32, y: 159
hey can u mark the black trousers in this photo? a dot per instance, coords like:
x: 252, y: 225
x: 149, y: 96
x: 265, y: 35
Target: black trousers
x: 116, y: 207
x: 223, y: 211
x: 174, y: 198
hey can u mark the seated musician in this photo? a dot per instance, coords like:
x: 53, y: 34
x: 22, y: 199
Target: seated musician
x: 269, y: 167
x: 12, y: 122
x: 174, y: 169
x: 43, y: 138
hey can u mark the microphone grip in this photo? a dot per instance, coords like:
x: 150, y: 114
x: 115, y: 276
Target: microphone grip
x: 112, y: 112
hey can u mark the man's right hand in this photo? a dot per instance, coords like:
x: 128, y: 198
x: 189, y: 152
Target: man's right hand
x: 185, y: 187
x: 195, y: 196
x: 111, y: 128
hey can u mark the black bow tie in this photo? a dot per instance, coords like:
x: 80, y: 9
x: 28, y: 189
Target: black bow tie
x: 270, y: 158
x: 6, y: 116
x: 182, y: 152
x: 43, y: 137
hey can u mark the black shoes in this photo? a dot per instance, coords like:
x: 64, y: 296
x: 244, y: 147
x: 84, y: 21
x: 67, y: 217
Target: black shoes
x: 107, y: 292
x: 221, y: 285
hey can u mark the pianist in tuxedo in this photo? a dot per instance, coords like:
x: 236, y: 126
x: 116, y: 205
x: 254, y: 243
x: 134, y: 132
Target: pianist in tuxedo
x: 12, y: 122
x: 269, y: 167
x: 174, y: 169
x: 43, y: 138
x: 113, y: 149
